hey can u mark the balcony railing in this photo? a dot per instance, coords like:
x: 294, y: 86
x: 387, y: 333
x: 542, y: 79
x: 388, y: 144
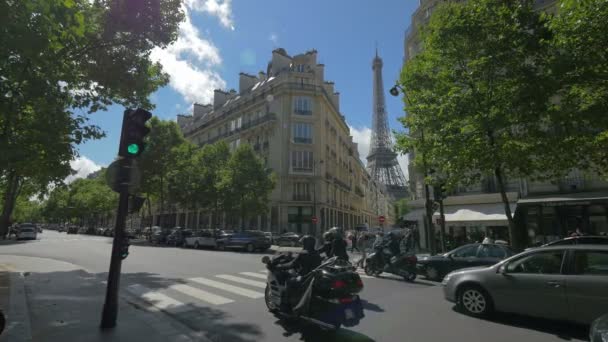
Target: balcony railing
x: 302, y: 197
x: 303, y: 111
x: 244, y: 126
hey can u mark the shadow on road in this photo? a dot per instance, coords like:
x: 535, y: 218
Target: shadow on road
x: 371, y: 306
x: 563, y: 330
x: 311, y: 333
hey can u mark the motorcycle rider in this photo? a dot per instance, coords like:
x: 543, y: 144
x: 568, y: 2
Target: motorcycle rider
x: 335, y: 246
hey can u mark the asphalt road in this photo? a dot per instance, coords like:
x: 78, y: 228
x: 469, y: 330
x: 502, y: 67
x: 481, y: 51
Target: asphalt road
x: 223, y: 295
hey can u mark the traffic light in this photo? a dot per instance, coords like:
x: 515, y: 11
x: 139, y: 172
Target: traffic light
x: 124, y: 248
x: 134, y: 131
x: 440, y: 192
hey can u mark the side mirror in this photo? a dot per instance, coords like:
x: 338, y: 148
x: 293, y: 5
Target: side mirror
x: 502, y: 269
x: 450, y: 256
x: 265, y: 259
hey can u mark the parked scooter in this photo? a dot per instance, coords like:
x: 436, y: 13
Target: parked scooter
x: 403, y: 265
x: 326, y: 297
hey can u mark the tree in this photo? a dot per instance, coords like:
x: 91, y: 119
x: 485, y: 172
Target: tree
x: 52, y: 62
x: 246, y: 183
x: 401, y: 208
x: 477, y: 95
x: 159, y: 158
x: 579, y: 114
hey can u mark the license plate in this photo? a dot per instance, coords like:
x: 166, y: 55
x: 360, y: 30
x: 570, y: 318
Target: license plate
x: 349, y: 314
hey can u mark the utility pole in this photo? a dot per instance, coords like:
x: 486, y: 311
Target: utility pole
x: 122, y: 179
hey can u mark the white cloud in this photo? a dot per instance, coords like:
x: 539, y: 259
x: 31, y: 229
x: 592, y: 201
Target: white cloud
x: 82, y: 166
x: 222, y: 9
x: 190, y: 62
x: 363, y: 137
x: 274, y: 38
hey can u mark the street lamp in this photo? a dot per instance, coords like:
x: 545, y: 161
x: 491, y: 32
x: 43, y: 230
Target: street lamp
x: 428, y: 205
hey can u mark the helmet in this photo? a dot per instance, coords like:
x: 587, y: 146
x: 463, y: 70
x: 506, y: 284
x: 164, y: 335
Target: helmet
x: 308, y: 243
x: 337, y: 232
x: 328, y: 236
x: 392, y: 235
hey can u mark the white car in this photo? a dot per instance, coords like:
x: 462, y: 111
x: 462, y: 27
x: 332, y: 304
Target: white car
x: 27, y: 232
x: 202, y: 238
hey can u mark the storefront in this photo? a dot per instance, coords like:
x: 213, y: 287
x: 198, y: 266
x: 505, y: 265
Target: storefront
x: 548, y: 218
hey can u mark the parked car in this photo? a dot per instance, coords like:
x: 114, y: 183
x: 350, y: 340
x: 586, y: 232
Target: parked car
x: 579, y: 240
x: 159, y: 235
x: 565, y: 282
x: 131, y: 233
x: 202, y: 238
x: 72, y: 230
x: 27, y: 231
x: 270, y: 237
x: 178, y: 236
x: 475, y: 254
x: 249, y: 240
x: 39, y: 228
x: 288, y: 239
x: 100, y: 231
x: 599, y: 330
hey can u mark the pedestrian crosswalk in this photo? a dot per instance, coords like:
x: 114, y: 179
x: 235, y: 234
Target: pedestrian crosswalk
x: 211, y: 290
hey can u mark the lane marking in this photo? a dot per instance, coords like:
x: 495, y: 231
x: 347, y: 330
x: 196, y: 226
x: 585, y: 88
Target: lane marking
x: 242, y: 280
x: 201, y: 294
x: 157, y: 299
x: 228, y: 288
x: 255, y: 275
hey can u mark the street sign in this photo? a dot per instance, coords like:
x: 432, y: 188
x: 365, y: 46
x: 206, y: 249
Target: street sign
x: 381, y: 219
x: 314, y: 220
x: 113, y: 172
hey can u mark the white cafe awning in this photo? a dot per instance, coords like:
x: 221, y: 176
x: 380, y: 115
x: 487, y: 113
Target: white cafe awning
x: 488, y: 214
x: 414, y: 215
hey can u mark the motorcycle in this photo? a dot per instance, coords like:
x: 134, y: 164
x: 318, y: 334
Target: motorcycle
x: 403, y: 265
x: 326, y: 297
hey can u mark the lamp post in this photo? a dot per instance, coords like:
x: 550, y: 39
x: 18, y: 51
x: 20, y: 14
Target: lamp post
x: 428, y: 205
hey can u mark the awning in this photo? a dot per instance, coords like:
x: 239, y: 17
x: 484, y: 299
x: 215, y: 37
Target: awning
x: 489, y: 214
x: 414, y: 215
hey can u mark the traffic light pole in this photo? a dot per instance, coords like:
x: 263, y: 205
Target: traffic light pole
x: 110, y: 307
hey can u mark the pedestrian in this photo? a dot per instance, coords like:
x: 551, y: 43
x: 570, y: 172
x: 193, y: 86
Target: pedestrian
x: 362, y: 247
x: 354, y: 243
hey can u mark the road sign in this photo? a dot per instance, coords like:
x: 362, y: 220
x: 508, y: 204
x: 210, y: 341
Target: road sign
x: 113, y: 173
x: 314, y: 220
x: 381, y: 219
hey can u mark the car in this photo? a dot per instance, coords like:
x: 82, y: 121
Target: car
x: 109, y: 232
x: 178, y: 236
x: 566, y: 283
x: 248, y: 240
x: 475, y: 254
x: 131, y: 233
x: 27, y: 231
x: 100, y: 231
x: 159, y: 235
x: 72, y: 230
x: 270, y: 237
x: 202, y: 238
x: 288, y: 239
x: 599, y: 330
x: 579, y: 240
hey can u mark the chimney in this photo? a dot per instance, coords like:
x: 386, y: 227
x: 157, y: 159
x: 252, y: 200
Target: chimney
x: 336, y: 99
x: 219, y: 98
x: 199, y: 110
x: 320, y: 72
x: 246, y: 82
x: 261, y: 76
x: 329, y: 87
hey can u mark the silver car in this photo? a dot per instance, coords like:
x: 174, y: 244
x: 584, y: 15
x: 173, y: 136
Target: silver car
x: 562, y: 282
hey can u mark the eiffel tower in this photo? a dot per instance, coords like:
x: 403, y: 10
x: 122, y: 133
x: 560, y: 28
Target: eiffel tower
x: 382, y: 159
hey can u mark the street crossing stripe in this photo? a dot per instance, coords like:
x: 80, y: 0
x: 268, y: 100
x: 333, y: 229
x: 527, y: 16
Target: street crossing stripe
x: 201, y: 294
x: 255, y: 275
x: 157, y: 299
x: 242, y: 280
x: 226, y: 287
x: 263, y: 271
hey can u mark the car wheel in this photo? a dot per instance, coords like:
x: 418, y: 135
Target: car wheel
x: 249, y: 248
x: 267, y: 298
x: 196, y: 245
x: 221, y: 247
x: 370, y: 269
x: 432, y: 273
x: 475, y: 301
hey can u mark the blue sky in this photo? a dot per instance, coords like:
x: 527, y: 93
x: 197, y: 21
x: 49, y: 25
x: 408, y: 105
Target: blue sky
x: 221, y: 38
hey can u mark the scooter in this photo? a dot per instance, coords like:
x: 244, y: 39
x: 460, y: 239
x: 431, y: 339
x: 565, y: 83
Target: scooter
x: 326, y: 297
x: 403, y: 265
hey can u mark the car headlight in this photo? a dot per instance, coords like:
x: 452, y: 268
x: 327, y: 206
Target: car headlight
x: 446, y: 279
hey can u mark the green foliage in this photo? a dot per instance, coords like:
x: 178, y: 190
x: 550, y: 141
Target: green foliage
x: 246, y: 183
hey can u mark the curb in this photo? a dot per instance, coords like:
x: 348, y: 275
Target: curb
x: 18, y: 326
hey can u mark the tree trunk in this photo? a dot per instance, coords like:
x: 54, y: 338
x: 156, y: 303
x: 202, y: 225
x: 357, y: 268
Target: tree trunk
x: 503, y: 194
x: 161, y: 220
x: 10, y: 196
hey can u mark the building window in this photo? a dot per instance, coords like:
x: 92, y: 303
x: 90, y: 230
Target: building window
x: 302, y: 133
x: 303, y: 105
x: 301, y: 160
x: 232, y: 125
x: 300, y: 68
x: 239, y: 122
x: 301, y: 192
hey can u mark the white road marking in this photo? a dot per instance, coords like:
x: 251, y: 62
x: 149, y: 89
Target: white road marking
x: 242, y: 280
x: 201, y: 294
x: 265, y: 271
x: 228, y: 288
x: 255, y: 275
x: 157, y: 299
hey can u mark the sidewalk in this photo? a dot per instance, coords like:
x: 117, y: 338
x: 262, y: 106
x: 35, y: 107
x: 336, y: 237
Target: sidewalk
x: 57, y: 301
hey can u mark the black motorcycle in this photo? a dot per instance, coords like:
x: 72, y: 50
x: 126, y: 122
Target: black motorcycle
x: 326, y: 297
x: 403, y: 265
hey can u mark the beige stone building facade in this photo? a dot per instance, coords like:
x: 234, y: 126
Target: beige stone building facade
x: 543, y: 211
x: 291, y: 117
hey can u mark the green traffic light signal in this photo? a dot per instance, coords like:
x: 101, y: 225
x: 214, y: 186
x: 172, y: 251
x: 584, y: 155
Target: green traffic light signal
x: 133, y: 149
